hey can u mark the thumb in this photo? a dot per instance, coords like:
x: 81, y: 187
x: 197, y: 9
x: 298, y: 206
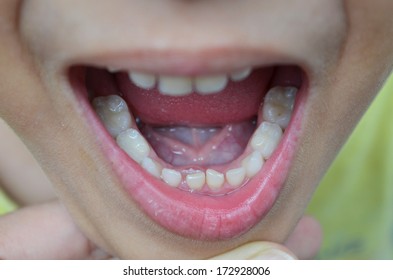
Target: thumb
x: 258, y: 250
x: 43, y: 231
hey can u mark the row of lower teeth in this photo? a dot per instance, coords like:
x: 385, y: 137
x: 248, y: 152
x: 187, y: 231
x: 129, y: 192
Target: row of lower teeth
x: 276, y: 113
x: 183, y: 85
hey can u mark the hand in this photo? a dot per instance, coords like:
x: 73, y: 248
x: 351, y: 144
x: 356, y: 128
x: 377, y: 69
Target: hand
x: 303, y: 243
x: 44, y: 231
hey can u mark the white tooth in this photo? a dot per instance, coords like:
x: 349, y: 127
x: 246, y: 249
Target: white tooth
x: 171, y: 177
x: 196, y: 180
x: 214, y: 179
x: 266, y: 138
x: 253, y: 164
x: 175, y: 85
x: 235, y: 176
x: 151, y: 166
x: 113, y: 112
x: 113, y: 69
x: 142, y: 80
x: 134, y: 144
x: 210, y: 84
x: 278, y: 105
x: 240, y: 75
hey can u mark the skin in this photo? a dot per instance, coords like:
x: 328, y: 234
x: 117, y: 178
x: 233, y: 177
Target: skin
x: 346, y: 52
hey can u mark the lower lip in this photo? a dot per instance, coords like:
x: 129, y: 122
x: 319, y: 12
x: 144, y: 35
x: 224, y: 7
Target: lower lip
x: 198, y: 216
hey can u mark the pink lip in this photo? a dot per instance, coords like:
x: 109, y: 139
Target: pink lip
x: 198, y: 216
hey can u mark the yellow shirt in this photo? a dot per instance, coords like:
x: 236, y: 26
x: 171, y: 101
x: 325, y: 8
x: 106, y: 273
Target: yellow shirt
x: 354, y: 202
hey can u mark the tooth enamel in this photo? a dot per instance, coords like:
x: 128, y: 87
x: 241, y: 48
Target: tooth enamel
x: 266, y: 138
x: 253, y: 164
x: 175, y: 85
x: 196, y: 180
x: 171, y: 177
x: 214, y: 179
x: 134, y: 144
x: 210, y: 84
x: 278, y: 105
x: 113, y: 112
x: 143, y: 80
x: 240, y: 75
x: 151, y: 166
x: 235, y: 176
x: 113, y: 69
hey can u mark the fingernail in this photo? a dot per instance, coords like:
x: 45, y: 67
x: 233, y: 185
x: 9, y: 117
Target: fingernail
x: 272, y: 254
x: 258, y: 251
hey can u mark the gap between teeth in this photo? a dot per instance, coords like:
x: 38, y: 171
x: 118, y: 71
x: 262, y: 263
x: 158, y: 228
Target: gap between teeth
x: 184, y: 85
x: 276, y: 113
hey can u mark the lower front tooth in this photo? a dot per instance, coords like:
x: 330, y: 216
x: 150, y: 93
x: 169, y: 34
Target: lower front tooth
x: 134, y: 144
x: 171, y: 177
x: 235, y: 176
x: 196, y: 180
x: 113, y: 112
x: 151, y: 166
x: 214, y: 179
x: 266, y: 138
x: 175, y: 86
x: 210, y: 84
x: 253, y: 164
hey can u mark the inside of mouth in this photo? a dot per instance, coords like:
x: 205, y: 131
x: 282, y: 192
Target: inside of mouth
x: 210, y: 139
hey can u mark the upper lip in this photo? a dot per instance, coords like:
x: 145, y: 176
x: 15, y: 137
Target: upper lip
x: 186, y: 37
x: 184, y: 62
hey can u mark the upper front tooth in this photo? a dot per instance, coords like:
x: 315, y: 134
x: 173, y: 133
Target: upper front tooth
x: 143, y: 80
x: 240, y: 75
x: 175, y: 85
x: 113, y: 112
x: 210, y: 84
x: 113, y: 69
x: 266, y: 138
x: 278, y: 105
x: 134, y: 144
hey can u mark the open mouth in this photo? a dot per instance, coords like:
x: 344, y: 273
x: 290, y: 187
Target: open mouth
x: 203, y: 155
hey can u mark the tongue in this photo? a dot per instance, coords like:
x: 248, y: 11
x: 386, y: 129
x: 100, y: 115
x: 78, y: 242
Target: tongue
x: 239, y: 101
x: 188, y: 146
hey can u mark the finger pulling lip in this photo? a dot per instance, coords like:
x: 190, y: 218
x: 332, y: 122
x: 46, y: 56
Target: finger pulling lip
x: 191, y: 214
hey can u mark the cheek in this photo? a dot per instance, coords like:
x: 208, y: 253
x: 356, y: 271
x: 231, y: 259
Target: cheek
x: 336, y: 105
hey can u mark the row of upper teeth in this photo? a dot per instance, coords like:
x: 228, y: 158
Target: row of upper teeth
x: 276, y: 113
x: 184, y: 85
